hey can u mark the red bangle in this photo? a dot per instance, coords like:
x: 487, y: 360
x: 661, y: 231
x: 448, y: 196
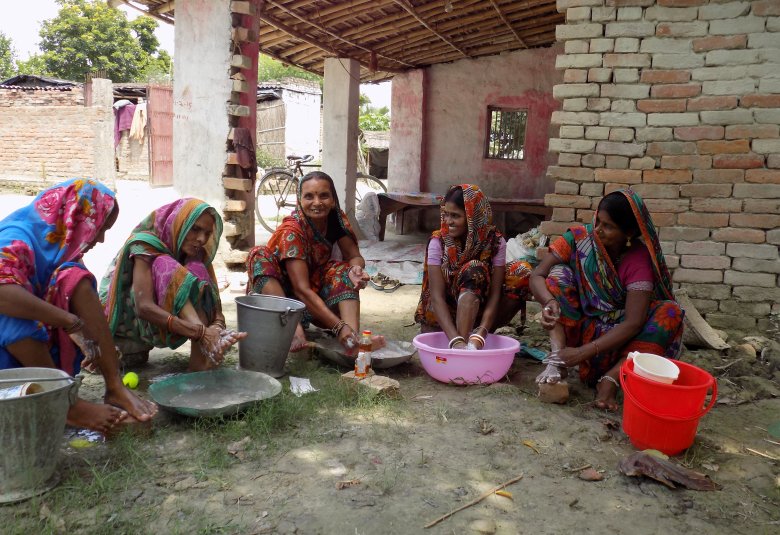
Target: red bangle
x: 169, y: 323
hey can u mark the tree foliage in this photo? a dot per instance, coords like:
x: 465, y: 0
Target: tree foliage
x: 32, y: 65
x: 7, y: 57
x: 371, y: 118
x: 87, y: 35
x: 270, y: 69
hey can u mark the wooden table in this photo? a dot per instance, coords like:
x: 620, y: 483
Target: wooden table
x: 392, y: 202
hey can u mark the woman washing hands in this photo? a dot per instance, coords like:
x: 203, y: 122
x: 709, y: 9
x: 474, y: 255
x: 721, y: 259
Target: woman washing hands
x: 299, y: 262
x: 161, y: 289
x: 606, y: 291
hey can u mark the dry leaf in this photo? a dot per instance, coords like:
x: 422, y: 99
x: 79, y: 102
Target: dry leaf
x: 530, y: 444
x: 504, y: 493
x: 348, y: 483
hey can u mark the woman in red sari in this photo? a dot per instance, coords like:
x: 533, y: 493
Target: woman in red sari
x: 299, y: 262
x: 467, y: 279
x: 606, y: 291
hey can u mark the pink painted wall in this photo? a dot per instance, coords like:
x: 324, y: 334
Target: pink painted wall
x: 457, y: 98
x: 406, y: 131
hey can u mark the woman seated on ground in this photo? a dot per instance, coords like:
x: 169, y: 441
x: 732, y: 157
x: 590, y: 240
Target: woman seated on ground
x: 605, y: 291
x: 467, y: 280
x: 161, y: 290
x: 50, y: 315
x: 298, y: 262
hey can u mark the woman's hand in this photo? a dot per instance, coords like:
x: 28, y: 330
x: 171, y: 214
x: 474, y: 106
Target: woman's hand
x: 551, y: 312
x: 358, y: 276
x: 567, y: 357
x: 87, y: 342
x: 210, y: 344
x: 348, y: 339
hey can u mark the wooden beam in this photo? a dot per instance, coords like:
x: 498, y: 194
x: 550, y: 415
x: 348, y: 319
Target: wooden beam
x: 332, y: 34
x: 165, y: 8
x: 503, y: 18
x: 410, y: 9
x: 147, y: 13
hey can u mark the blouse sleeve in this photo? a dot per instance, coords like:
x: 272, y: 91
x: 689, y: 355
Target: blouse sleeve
x: 636, y: 270
x: 434, y: 252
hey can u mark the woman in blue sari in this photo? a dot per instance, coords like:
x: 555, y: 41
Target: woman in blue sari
x: 50, y: 314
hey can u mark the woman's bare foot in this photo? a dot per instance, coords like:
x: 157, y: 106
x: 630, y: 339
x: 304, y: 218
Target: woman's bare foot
x: 99, y: 417
x: 138, y: 408
x: 299, y: 341
x: 606, y: 395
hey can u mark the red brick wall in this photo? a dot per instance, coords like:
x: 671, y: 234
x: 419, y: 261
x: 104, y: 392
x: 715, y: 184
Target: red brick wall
x: 46, y: 135
x: 679, y: 99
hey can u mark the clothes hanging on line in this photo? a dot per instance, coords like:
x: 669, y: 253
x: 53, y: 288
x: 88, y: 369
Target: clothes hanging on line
x: 123, y: 119
x: 138, y: 126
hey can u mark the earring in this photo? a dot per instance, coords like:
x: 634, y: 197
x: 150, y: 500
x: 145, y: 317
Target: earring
x: 628, y: 242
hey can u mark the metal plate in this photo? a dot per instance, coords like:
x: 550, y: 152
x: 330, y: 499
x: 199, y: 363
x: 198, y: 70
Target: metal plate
x: 394, y: 353
x: 213, y: 393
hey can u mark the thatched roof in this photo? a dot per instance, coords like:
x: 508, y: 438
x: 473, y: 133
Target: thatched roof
x: 391, y: 36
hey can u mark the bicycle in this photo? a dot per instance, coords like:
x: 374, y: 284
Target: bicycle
x: 281, y: 183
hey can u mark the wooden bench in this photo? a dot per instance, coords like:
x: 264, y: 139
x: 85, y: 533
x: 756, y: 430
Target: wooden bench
x: 392, y: 202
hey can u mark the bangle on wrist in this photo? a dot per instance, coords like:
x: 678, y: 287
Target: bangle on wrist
x: 595, y: 345
x: 549, y: 301
x: 456, y: 340
x: 169, y: 323
x: 201, y: 333
x: 336, y: 329
x: 75, y: 326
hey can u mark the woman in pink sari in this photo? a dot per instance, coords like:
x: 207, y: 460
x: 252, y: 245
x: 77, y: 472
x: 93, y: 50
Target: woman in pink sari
x: 50, y: 315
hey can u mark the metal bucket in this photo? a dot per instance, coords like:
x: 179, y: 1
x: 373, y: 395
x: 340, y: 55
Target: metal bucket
x: 31, y: 431
x: 270, y: 322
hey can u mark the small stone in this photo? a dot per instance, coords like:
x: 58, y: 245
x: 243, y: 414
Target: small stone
x: 483, y: 525
x: 589, y: 474
x: 554, y: 392
x: 748, y: 350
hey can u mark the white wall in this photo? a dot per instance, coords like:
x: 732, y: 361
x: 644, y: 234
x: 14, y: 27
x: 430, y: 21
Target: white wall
x: 201, y: 94
x: 302, y: 126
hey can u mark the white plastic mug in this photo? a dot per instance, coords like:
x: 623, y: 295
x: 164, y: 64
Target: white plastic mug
x: 654, y: 367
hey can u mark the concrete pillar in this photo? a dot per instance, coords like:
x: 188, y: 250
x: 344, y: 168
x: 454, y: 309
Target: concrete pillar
x: 201, y: 95
x: 341, y: 107
x: 103, y: 98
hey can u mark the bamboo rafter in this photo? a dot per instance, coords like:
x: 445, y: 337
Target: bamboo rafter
x: 503, y: 19
x: 332, y: 34
x: 165, y: 8
x: 408, y: 7
x: 280, y: 25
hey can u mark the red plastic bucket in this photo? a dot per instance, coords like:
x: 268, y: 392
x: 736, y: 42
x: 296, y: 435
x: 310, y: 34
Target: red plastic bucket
x: 661, y: 416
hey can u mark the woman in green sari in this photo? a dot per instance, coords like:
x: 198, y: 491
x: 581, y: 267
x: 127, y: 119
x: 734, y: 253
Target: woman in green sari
x: 161, y: 289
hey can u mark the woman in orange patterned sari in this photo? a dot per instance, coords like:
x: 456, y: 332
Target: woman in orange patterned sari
x: 606, y: 291
x: 467, y: 279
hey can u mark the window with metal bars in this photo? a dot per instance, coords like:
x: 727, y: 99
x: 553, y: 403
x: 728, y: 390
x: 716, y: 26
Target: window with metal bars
x: 506, y: 134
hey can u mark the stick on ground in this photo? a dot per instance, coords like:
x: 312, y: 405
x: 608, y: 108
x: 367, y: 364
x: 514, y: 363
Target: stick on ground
x: 475, y: 501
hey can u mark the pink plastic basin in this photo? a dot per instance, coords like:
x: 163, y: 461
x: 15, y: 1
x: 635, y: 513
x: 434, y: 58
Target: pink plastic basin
x: 462, y: 366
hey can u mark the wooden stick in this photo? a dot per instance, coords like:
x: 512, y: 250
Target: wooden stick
x: 755, y: 452
x: 475, y: 501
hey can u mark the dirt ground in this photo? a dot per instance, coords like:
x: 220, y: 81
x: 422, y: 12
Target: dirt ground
x: 411, y: 459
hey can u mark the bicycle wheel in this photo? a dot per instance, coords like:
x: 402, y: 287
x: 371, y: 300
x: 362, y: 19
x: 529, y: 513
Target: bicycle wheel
x: 366, y: 183
x: 275, y: 198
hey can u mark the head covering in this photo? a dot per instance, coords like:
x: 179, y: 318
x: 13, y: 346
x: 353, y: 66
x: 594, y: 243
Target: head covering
x: 57, y: 227
x: 162, y: 232
x: 335, y: 217
x: 481, y: 235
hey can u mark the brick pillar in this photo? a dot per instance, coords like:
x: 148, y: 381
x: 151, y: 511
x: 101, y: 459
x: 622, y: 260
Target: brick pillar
x: 678, y: 99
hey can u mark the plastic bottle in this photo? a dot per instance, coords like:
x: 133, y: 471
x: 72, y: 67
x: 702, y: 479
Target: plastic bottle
x: 363, y: 360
